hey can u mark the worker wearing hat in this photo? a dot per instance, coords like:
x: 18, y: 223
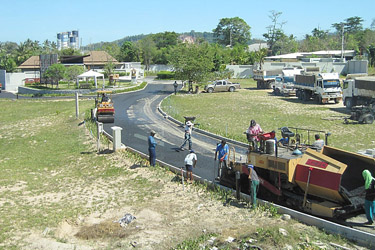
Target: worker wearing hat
x: 151, y: 148
x: 190, y: 162
x: 221, y: 154
x: 254, y: 184
x: 188, y: 129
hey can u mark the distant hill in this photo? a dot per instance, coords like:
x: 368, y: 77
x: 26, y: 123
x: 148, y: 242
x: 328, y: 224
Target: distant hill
x: 208, y: 36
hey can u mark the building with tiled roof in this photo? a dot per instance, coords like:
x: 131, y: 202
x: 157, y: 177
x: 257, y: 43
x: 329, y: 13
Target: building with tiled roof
x: 31, y: 64
x: 93, y: 60
x: 98, y: 59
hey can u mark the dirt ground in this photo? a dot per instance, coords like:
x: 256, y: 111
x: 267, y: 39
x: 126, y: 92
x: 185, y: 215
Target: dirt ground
x: 172, y: 214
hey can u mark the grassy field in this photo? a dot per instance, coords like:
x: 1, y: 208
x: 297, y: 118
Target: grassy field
x: 229, y: 114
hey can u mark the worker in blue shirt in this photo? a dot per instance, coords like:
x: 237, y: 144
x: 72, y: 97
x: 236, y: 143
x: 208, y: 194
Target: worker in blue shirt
x: 223, y: 150
x: 151, y: 148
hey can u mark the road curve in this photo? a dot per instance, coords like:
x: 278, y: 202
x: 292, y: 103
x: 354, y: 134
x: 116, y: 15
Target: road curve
x: 137, y: 115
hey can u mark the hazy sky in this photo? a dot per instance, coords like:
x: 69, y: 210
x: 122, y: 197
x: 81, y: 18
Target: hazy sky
x: 109, y: 20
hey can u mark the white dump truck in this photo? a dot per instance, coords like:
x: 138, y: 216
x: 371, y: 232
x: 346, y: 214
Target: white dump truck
x: 359, y: 91
x: 265, y: 78
x: 322, y: 87
x: 284, y: 84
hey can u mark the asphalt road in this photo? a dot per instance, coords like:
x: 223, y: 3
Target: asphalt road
x: 137, y: 115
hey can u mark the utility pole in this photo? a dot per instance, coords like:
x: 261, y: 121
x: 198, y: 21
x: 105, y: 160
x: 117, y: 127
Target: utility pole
x: 342, y: 41
x: 230, y: 37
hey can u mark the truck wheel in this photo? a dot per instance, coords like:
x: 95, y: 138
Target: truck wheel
x: 231, y: 89
x: 349, y: 103
x: 320, y: 100
x: 305, y: 96
x: 277, y: 91
x: 369, y: 119
x: 210, y: 90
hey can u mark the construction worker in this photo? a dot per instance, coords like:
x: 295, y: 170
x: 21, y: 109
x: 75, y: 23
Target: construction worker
x: 318, y: 143
x: 370, y: 196
x: 254, y: 184
x: 188, y: 130
x: 190, y: 162
x: 151, y: 148
x: 252, y: 134
x: 223, y: 150
x: 175, y: 85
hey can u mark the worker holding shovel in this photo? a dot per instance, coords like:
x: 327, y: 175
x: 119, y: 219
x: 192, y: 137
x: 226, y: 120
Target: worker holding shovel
x: 222, y: 149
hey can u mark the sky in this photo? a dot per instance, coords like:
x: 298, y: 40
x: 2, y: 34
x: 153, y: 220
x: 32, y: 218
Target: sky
x: 110, y: 20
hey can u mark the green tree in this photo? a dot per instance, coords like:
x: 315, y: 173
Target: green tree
x: 239, y: 55
x: 128, y: 52
x: 286, y: 44
x: 274, y: 31
x: 232, y: 31
x: 148, y: 50
x: 7, y: 63
x: 259, y: 56
x: 165, y: 40
x: 72, y: 72
x: 112, y: 49
x: 192, y: 62
x: 220, y: 55
x: 108, y: 69
x: 69, y: 52
x: 55, y: 73
x: 371, y: 55
x: 351, y: 25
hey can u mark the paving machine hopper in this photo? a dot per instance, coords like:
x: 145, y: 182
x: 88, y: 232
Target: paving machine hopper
x: 328, y: 183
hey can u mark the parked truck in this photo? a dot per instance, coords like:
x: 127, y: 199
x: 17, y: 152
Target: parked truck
x: 265, y: 78
x: 284, y: 84
x: 322, y: 87
x: 221, y: 85
x: 359, y: 91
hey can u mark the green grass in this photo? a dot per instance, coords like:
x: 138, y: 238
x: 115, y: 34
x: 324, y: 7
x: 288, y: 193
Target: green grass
x: 229, y: 114
x: 73, y: 85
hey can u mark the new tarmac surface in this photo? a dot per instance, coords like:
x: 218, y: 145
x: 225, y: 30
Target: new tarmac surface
x: 137, y: 114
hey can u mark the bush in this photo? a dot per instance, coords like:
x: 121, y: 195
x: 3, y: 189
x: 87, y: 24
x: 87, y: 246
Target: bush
x: 165, y: 75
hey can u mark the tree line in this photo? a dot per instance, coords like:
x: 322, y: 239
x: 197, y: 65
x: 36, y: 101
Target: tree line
x: 228, y: 45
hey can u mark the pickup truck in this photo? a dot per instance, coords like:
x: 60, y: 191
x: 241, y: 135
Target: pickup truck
x: 221, y: 85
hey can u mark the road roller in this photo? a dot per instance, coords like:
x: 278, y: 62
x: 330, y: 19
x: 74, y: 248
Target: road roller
x: 104, y: 108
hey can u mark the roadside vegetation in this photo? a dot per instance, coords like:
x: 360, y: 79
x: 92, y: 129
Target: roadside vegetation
x: 229, y: 115
x: 57, y: 192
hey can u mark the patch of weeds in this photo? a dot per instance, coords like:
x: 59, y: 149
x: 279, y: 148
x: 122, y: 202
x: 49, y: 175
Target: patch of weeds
x: 62, y: 240
x: 269, y: 236
x: 197, y: 243
x: 105, y: 229
x: 271, y: 209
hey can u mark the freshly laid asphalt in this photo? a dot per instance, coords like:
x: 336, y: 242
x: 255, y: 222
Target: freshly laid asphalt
x: 137, y: 114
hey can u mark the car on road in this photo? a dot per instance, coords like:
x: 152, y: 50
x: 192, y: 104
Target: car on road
x: 221, y: 85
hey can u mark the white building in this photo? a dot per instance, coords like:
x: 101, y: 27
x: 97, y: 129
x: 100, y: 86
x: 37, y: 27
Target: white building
x: 69, y: 39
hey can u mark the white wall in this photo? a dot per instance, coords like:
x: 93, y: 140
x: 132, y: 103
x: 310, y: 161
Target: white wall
x: 11, y: 81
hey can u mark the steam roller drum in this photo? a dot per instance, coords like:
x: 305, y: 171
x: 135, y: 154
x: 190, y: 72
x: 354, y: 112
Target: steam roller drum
x: 106, y: 119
